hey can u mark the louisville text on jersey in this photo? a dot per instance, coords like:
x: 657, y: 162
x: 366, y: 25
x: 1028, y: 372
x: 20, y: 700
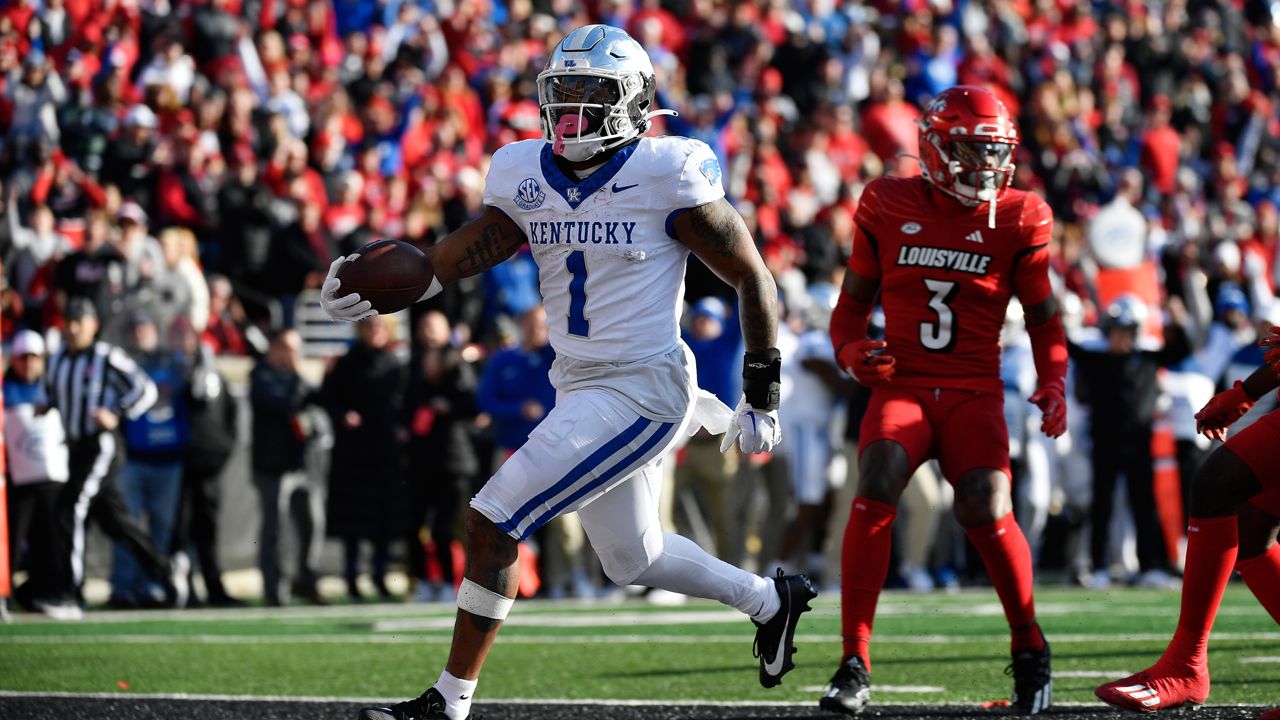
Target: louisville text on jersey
x: 599, y: 232
x: 959, y: 260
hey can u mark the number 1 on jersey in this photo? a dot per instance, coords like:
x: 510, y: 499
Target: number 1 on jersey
x: 576, y: 264
x: 940, y: 336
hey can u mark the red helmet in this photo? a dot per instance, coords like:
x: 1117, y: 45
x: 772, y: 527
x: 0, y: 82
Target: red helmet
x: 967, y: 143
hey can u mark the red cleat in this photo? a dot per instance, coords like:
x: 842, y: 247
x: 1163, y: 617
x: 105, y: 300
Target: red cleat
x: 1156, y: 689
x: 1270, y: 715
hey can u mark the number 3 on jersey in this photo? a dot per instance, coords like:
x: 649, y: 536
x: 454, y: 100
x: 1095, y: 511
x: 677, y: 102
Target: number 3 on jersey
x: 576, y: 264
x: 939, y: 336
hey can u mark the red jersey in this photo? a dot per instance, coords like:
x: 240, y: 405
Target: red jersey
x: 946, y: 277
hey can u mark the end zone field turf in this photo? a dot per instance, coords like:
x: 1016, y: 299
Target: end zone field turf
x: 935, y: 656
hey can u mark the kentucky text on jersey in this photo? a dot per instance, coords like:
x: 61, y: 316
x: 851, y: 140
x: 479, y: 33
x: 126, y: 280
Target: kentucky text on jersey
x: 960, y: 260
x: 607, y: 232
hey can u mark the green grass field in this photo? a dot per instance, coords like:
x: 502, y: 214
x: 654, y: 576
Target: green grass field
x: 929, y: 648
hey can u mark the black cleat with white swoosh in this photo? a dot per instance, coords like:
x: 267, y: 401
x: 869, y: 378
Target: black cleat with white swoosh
x: 850, y: 688
x: 427, y: 706
x: 1032, y: 681
x: 774, y: 639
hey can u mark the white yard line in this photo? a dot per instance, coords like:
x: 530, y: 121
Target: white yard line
x: 819, y: 689
x: 437, y: 639
x: 481, y: 702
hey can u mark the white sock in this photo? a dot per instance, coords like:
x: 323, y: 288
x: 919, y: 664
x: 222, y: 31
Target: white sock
x: 457, y: 695
x: 685, y: 568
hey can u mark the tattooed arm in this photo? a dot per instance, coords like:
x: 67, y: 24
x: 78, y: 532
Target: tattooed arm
x: 476, y: 246
x: 716, y: 234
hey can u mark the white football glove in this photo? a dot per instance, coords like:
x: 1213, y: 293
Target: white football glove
x: 347, y: 307
x: 756, y: 431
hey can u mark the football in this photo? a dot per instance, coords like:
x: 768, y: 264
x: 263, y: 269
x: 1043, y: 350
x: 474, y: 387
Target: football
x: 390, y: 274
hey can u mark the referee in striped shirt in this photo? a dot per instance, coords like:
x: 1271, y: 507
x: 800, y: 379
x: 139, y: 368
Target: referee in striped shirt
x: 93, y: 384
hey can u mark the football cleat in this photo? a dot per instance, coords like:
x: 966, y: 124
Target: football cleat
x: 427, y: 706
x: 1273, y: 714
x: 774, y: 639
x: 1156, y: 689
x: 850, y: 688
x: 1032, y: 681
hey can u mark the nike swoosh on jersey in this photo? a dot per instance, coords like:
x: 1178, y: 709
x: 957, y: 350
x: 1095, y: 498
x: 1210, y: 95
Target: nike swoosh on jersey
x: 773, y: 667
x: 619, y: 188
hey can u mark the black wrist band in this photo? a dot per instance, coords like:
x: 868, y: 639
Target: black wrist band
x: 762, y: 378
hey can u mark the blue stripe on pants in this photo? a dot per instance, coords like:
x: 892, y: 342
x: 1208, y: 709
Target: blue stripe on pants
x: 576, y: 474
x: 662, y: 434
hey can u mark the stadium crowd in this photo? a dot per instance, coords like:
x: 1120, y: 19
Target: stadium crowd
x: 192, y: 167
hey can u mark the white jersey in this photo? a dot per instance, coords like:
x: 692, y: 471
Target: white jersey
x: 609, y: 268
x: 810, y: 400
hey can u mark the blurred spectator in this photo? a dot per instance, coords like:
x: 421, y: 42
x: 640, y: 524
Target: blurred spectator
x: 222, y: 332
x: 178, y: 285
x: 281, y: 432
x: 364, y: 395
x: 1117, y: 381
x: 151, y: 480
x: 128, y: 160
x: 95, y: 272
x: 35, y: 92
x: 814, y: 423
x: 516, y: 391
x: 443, y: 466
x: 214, y: 433
x: 34, y: 247
x: 36, y: 455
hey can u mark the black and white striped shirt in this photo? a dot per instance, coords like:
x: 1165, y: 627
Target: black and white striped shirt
x: 101, y: 376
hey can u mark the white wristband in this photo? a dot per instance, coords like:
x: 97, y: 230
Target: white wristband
x: 482, y: 601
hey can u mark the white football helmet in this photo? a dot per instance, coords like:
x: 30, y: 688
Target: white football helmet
x: 596, y: 92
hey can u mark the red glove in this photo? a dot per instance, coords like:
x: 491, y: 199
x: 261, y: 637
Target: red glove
x: 1052, y: 402
x: 860, y: 358
x: 1223, y: 409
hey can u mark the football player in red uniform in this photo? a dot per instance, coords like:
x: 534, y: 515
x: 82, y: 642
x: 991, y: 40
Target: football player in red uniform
x: 1235, y: 502
x: 946, y: 252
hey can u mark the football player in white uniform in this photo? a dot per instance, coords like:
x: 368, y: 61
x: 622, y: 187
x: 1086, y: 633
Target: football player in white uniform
x: 611, y: 218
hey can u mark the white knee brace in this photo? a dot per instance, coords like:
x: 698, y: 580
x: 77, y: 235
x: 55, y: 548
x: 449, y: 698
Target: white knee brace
x: 482, y: 601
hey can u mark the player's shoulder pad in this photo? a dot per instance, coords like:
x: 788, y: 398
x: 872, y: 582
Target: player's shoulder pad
x: 1035, y: 211
x: 515, y: 156
x: 685, y: 168
x: 876, y: 193
x: 665, y: 155
x: 515, y: 181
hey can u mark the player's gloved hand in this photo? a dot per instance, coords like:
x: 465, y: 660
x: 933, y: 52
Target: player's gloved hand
x: 347, y: 307
x: 862, y: 360
x: 755, y: 431
x: 755, y: 421
x: 1222, y: 410
x: 1272, y: 357
x: 1052, y: 401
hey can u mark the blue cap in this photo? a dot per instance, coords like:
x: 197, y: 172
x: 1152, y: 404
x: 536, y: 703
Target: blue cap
x: 1230, y: 297
x: 712, y: 307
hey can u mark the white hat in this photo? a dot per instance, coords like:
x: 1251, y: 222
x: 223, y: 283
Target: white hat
x: 28, y: 342
x: 140, y: 116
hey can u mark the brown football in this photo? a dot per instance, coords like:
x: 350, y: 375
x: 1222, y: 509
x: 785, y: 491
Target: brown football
x: 390, y: 274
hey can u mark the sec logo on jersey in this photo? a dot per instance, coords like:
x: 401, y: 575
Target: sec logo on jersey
x: 529, y: 195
